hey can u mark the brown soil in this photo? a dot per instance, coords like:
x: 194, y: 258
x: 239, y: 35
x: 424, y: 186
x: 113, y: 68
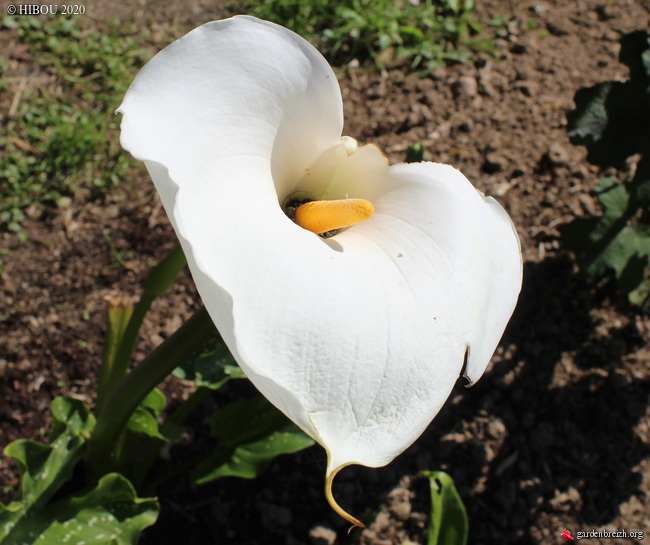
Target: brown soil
x: 557, y: 431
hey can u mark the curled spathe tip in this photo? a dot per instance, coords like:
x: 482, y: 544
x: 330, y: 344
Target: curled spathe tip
x: 329, y: 479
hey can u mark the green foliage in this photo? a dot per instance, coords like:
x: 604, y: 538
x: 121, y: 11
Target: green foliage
x: 212, y: 366
x: 251, y: 434
x: 448, y: 524
x: 142, y: 439
x: 612, y: 242
x: 165, y: 273
x: 109, y: 510
x: 145, y: 418
x: 128, y: 435
x: 58, y: 504
x: 63, y: 132
x: 415, y: 153
x: 424, y: 34
x: 612, y: 119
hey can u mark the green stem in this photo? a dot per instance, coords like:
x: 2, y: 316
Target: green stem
x: 160, y: 279
x: 124, y: 350
x: 125, y: 398
x: 118, y: 314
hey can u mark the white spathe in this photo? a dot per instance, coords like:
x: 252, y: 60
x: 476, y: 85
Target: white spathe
x: 359, y: 338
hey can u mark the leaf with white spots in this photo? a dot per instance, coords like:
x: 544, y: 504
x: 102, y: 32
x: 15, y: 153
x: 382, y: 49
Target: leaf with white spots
x: 108, y: 514
x: 45, y: 468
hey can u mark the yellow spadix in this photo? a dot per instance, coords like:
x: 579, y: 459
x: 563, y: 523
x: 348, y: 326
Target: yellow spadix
x: 323, y: 216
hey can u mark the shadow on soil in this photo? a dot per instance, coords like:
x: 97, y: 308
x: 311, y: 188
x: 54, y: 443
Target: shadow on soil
x: 569, y: 412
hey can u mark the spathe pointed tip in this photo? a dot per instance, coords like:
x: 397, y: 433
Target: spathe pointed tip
x: 329, y: 479
x: 470, y: 383
x: 463, y: 371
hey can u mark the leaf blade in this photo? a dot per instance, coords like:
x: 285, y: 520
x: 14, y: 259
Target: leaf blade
x: 448, y: 524
x: 251, y: 434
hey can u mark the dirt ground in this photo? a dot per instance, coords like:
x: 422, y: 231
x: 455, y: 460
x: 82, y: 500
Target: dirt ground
x: 556, y: 433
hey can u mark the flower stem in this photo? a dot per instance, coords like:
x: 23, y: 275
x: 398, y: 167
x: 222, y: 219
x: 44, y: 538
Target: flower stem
x: 128, y: 394
x: 158, y: 282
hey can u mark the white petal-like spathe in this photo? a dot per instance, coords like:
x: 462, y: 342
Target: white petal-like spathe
x: 359, y: 338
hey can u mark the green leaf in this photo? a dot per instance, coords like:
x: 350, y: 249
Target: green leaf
x: 640, y: 185
x: 108, y: 512
x: 212, y: 366
x: 44, y: 468
x: 251, y: 434
x: 469, y: 5
x: 145, y: 418
x: 164, y: 274
x: 414, y: 153
x: 612, y: 119
x: 448, y: 524
x: 70, y: 415
x: 641, y: 296
x: 411, y: 33
x: 611, y: 243
x: 142, y: 439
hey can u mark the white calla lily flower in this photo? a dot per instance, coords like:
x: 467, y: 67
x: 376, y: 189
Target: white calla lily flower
x: 358, y: 338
